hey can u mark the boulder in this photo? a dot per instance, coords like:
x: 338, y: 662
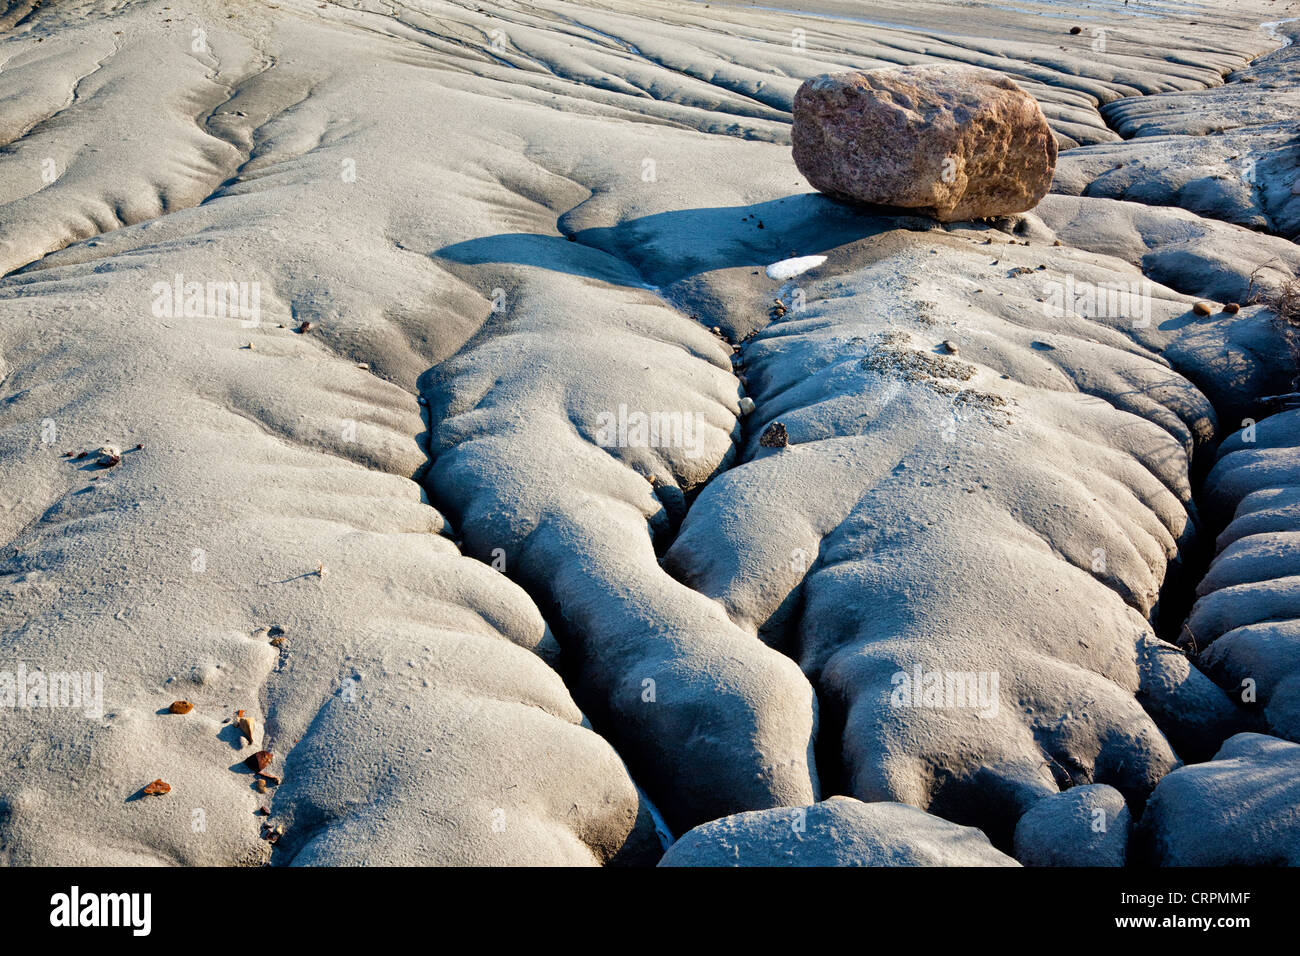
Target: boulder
x: 840, y: 831
x: 954, y: 141
x: 1083, y: 826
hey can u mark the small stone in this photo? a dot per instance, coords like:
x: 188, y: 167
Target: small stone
x: 109, y: 455
x: 1232, y: 308
x: 260, y: 784
x: 157, y: 789
x: 949, y: 346
x: 1075, y: 31
x: 247, y: 726
x: 305, y: 327
x: 267, y: 777
x: 1203, y: 308
x: 259, y: 761
x: 746, y: 405
x: 774, y: 436
x: 181, y: 707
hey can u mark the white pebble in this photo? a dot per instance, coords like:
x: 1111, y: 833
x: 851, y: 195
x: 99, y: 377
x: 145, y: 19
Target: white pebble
x: 789, y: 268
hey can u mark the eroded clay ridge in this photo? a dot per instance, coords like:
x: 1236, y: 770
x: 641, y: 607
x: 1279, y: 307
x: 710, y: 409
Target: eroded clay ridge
x: 438, y: 249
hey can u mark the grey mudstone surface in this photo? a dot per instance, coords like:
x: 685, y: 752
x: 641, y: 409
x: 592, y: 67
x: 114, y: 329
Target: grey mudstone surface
x: 1082, y: 826
x: 1051, y: 456
x: 1246, y: 620
x: 467, y: 582
x: 1228, y: 152
x: 1240, y: 809
x: 840, y: 831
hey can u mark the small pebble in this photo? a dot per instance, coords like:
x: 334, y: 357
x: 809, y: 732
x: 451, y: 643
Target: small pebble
x: 247, y: 726
x: 157, y: 789
x: 1202, y: 308
x: 259, y: 761
x: 774, y: 436
x: 181, y: 707
x: 1232, y: 308
x: 746, y: 405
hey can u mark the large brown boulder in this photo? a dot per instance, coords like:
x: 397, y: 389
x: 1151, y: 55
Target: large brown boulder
x: 953, y: 141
